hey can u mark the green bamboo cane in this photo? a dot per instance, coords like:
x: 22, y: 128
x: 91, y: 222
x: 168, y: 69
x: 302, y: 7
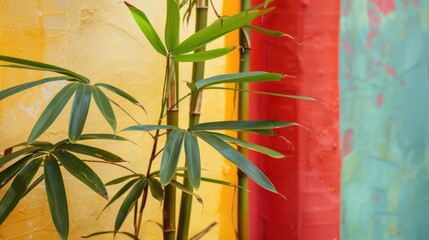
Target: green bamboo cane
x: 194, y: 118
x: 243, y: 113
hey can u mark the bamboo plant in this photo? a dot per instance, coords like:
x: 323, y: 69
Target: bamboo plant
x: 20, y: 164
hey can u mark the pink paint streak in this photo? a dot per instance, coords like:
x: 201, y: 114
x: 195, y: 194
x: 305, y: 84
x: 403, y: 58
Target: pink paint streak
x: 378, y: 63
x: 390, y: 71
x: 380, y: 100
x: 348, y: 142
x: 374, y: 22
x: 347, y: 7
x: 416, y: 4
x: 347, y: 47
x: 385, y: 6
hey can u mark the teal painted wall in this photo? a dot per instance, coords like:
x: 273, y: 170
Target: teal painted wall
x: 384, y: 80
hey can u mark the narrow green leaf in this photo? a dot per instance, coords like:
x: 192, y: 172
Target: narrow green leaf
x: 7, y: 174
x: 214, y: 31
x: 245, y: 77
x: 204, y: 55
x: 266, y: 93
x: 238, y: 159
x: 52, y: 111
x: 25, y: 151
x: 156, y: 189
x: 122, y: 179
x: 102, y: 136
x: 172, y: 25
x: 186, y: 190
x: 79, y: 111
x: 192, y: 152
x: 268, y: 31
x: 267, y: 2
x: 249, y: 145
x: 157, y: 172
x: 44, y: 66
x: 96, y: 234
x: 17, y: 189
x: 34, y: 184
x: 170, y: 156
x: 147, y: 29
x: 241, y: 125
x: 82, y: 172
x: 210, y: 180
x: 148, y: 128
x: 56, y: 196
x: 129, y: 203
x: 105, y: 107
x: 16, y: 89
x: 91, y: 151
x: 121, y: 192
x: 120, y: 93
x: 260, y: 5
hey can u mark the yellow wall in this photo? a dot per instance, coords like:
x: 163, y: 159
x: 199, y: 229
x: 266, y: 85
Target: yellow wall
x: 100, y: 40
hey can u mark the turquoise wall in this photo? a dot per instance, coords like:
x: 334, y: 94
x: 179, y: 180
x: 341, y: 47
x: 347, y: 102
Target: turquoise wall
x: 384, y: 74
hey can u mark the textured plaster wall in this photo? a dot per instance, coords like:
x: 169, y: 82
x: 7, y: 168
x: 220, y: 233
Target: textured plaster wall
x: 384, y: 93
x: 100, y: 40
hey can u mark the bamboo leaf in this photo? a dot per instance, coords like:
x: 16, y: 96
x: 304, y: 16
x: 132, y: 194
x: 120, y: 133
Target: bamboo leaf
x: 120, y: 93
x: 238, y: 159
x: 192, y: 152
x: 245, y: 77
x: 241, y: 125
x: 214, y: 31
x: 267, y: 2
x: 210, y: 180
x: 105, y: 107
x: 25, y: 151
x: 121, y: 192
x: 156, y: 189
x: 204, y: 55
x: 7, y: 174
x: 91, y: 151
x: 52, y: 111
x: 82, y: 172
x: 17, y: 189
x: 186, y: 190
x: 147, y: 29
x: 147, y: 128
x: 44, y: 66
x: 266, y: 93
x: 170, y: 156
x: 172, y: 25
x: 16, y: 89
x: 122, y: 179
x: 34, y: 184
x: 102, y: 136
x: 268, y: 31
x: 79, y: 112
x: 130, y: 235
x: 129, y: 203
x: 249, y: 145
x: 56, y: 196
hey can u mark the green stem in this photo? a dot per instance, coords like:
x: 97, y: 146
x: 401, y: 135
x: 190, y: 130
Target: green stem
x: 194, y: 118
x: 243, y: 113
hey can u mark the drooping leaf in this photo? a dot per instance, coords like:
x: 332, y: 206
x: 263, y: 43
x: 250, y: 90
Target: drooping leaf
x: 23, y: 152
x: 52, y: 111
x: 249, y: 145
x: 120, y: 93
x: 172, y: 25
x: 17, y: 189
x: 244, y: 77
x: 204, y: 55
x: 82, y: 172
x: 56, y: 196
x: 121, y: 192
x: 105, y: 107
x: 91, y: 151
x: 192, y: 152
x: 44, y: 66
x: 96, y: 234
x: 261, y: 5
x: 238, y: 159
x: 266, y: 93
x: 16, y: 89
x: 156, y: 189
x: 122, y: 179
x: 267, y: 2
x: 211, y: 180
x: 268, y: 31
x: 214, y: 31
x: 156, y: 173
x: 170, y: 156
x: 147, y: 128
x: 34, y: 184
x: 147, y: 29
x: 241, y: 125
x: 79, y: 111
x: 7, y: 174
x: 102, y: 136
x: 186, y: 190
x: 129, y: 203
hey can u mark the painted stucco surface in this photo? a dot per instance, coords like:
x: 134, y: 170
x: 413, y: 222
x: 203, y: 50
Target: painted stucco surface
x: 384, y: 74
x: 98, y: 39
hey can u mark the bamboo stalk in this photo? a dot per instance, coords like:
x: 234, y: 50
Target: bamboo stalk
x: 194, y: 117
x: 243, y: 114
